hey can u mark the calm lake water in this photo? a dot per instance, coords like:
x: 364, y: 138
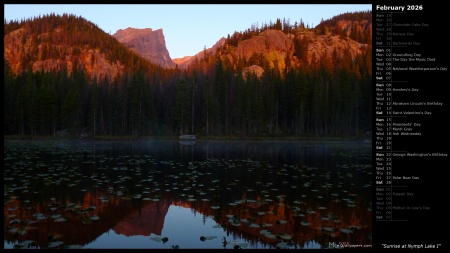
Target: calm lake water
x: 167, y: 194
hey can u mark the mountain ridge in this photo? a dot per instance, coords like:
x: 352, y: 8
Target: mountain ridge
x: 273, y: 42
x: 65, y: 76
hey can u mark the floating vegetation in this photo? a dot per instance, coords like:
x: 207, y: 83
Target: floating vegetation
x: 25, y: 244
x: 55, y: 244
x: 285, y: 237
x: 55, y: 216
x: 79, y: 182
x: 281, y: 221
x: 61, y: 219
x: 156, y: 238
x: 13, y: 230
x: 94, y: 217
x: 271, y: 236
x: 242, y: 245
x: 14, y: 221
x: 205, y: 238
x: 73, y: 246
x: 345, y: 230
x: 282, y: 245
x: 329, y: 229
x: 304, y: 223
x: 265, y: 231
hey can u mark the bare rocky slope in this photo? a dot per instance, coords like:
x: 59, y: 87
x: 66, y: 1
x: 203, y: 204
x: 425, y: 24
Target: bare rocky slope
x: 148, y: 43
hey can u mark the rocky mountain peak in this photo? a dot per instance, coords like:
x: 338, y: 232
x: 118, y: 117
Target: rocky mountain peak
x: 126, y: 35
x: 146, y: 42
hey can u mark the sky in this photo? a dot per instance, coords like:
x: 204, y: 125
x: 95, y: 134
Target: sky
x: 187, y: 28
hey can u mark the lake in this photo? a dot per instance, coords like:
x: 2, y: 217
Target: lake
x: 163, y: 194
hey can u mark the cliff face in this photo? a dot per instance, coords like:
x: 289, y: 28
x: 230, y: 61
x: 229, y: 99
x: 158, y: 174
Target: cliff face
x: 266, y: 42
x: 302, y: 49
x: 148, y: 43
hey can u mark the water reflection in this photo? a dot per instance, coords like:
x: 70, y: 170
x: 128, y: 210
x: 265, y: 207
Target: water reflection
x: 246, y: 194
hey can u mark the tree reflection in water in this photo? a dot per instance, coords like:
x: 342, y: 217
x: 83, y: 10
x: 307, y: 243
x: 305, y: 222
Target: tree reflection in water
x: 255, y: 194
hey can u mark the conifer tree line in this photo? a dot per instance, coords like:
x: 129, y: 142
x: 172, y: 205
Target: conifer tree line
x: 329, y: 96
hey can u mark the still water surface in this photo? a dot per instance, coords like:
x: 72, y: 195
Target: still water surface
x: 206, y: 194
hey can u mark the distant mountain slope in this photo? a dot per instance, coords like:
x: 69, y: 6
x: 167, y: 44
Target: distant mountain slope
x: 187, y: 60
x: 54, y: 43
x: 282, y: 44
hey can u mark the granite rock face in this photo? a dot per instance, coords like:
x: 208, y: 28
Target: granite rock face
x: 148, y: 43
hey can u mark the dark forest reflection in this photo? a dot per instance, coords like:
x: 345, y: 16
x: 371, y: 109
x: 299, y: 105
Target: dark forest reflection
x: 165, y: 194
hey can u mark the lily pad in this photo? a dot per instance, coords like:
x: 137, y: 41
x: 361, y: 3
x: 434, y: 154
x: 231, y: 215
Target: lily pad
x: 159, y: 239
x: 271, y: 236
x: 285, y: 237
x: 282, y: 245
x: 61, y: 219
x: 236, y: 224
x: 243, y: 245
x: 281, y: 221
x: 329, y: 229
x: 265, y: 231
x: 94, y: 217
x: 345, y: 230
x: 156, y: 238
x: 74, y: 246
x: 55, y: 244
x: 204, y: 238
x: 14, y: 221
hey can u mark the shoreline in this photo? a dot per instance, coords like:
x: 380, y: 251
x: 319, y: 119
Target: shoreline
x: 199, y: 138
